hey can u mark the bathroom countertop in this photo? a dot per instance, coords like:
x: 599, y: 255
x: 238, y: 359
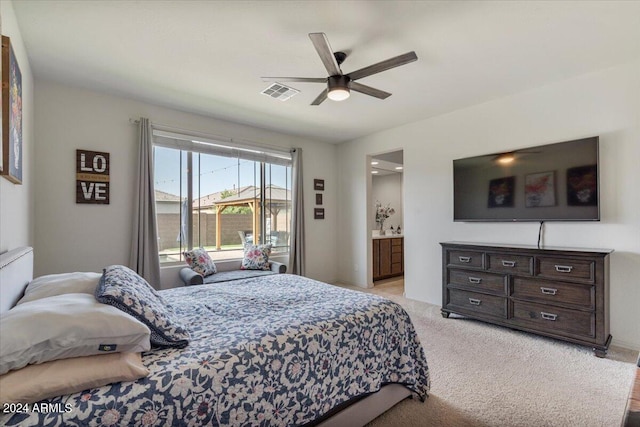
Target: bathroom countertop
x: 386, y: 236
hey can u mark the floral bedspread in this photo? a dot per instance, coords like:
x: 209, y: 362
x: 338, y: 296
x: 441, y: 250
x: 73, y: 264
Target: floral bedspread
x: 276, y: 350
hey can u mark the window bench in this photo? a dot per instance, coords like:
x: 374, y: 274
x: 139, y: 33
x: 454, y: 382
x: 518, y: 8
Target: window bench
x: 190, y: 277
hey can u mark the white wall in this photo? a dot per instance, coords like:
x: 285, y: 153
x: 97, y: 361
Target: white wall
x: 604, y: 103
x: 388, y: 190
x: 16, y: 201
x: 72, y: 237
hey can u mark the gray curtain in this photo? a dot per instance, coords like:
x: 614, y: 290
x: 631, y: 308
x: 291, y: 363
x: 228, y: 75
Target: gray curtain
x: 144, y: 246
x: 296, y: 251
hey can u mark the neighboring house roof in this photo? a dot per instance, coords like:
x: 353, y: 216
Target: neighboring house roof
x: 162, y: 196
x: 273, y: 193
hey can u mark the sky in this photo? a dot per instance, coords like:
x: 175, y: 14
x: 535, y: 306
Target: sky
x: 216, y: 173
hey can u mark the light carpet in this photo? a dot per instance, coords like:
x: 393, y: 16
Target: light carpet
x: 485, y: 375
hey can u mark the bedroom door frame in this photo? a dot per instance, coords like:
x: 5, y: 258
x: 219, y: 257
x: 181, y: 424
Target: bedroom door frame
x: 370, y: 212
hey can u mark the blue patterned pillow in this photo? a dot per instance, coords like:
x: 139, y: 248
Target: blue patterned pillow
x: 256, y: 257
x: 122, y: 288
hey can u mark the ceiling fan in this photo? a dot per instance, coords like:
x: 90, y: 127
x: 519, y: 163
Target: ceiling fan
x: 510, y: 156
x: 338, y: 84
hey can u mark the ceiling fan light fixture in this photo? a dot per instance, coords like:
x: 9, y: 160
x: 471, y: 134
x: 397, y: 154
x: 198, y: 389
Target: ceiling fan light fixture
x: 338, y: 88
x: 506, y: 158
x: 338, y: 94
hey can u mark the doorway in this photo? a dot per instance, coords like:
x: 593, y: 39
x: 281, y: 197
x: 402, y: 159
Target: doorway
x: 387, y: 235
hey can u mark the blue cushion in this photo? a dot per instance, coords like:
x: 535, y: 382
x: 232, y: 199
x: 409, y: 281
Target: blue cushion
x: 225, y: 276
x: 190, y: 277
x: 122, y: 288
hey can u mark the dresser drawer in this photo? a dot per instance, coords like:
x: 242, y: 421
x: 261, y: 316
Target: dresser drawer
x: 466, y: 258
x: 396, y: 242
x: 582, y: 296
x: 478, y: 280
x: 553, y: 319
x: 508, y: 263
x: 396, y: 257
x: 477, y: 303
x: 567, y: 269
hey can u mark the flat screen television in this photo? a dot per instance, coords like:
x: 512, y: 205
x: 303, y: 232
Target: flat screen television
x: 553, y: 182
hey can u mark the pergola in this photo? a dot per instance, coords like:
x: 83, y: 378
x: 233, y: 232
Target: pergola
x: 276, y: 199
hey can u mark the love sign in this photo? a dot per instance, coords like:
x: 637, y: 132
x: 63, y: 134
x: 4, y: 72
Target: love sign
x: 92, y: 177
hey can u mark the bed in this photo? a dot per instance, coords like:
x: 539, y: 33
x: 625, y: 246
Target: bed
x: 273, y: 350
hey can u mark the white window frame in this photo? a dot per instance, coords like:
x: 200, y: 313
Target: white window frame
x: 194, y: 142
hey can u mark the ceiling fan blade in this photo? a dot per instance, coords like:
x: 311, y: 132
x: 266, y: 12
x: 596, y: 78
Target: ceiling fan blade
x: 368, y: 90
x: 383, y: 66
x: 295, y: 79
x: 320, y: 98
x: 321, y: 43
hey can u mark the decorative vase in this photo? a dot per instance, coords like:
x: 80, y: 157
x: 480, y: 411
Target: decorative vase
x: 382, y: 232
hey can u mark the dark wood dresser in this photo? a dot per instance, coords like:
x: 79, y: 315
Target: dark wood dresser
x: 555, y: 292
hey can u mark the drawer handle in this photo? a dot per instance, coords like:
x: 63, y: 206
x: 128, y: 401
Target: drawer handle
x: 564, y: 268
x: 506, y: 263
x: 475, y: 280
x: 548, y: 316
x: 474, y: 301
x: 548, y: 291
x: 464, y: 259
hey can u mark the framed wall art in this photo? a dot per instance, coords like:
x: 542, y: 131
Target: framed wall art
x: 92, y: 177
x: 582, y: 186
x: 1, y: 113
x: 11, y: 115
x: 318, y: 213
x: 318, y: 184
x: 501, y: 192
x: 539, y: 189
x: 319, y: 199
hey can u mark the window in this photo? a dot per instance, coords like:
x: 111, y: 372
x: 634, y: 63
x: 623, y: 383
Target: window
x: 213, y: 195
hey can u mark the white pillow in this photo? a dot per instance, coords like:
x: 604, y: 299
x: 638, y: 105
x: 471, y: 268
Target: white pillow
x: 63, y: 326
x: 58, y: 284
x: 59, y: 377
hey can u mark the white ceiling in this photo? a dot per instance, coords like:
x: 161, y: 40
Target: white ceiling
x: 207, y: 57
x: 387, y: 163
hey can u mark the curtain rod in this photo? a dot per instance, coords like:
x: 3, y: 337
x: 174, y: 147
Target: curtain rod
x: 161, y: 126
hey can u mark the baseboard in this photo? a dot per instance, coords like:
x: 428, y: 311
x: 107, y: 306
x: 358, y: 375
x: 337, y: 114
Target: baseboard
x: 626, y: 344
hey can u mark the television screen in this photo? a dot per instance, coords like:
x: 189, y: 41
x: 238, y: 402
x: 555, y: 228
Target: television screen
x: 554, y: 182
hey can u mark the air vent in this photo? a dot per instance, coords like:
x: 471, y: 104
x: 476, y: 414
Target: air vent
x: 280, y: 91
